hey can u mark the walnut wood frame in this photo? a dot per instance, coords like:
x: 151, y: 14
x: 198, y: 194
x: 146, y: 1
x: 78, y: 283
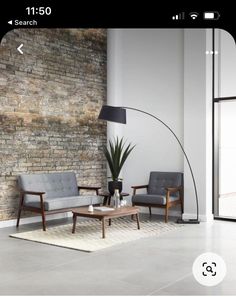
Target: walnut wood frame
x: 41, y: 210
x: 168, y: 204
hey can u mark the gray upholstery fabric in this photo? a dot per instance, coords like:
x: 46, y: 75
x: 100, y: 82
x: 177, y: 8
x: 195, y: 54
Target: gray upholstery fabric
x: 66, y: 202
x: 56, y: 185
x: 158, y: 181
x: 156, y: 191
x: 151, y: 199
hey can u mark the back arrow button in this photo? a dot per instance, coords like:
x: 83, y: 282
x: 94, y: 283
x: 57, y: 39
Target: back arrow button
x: 19, y: 48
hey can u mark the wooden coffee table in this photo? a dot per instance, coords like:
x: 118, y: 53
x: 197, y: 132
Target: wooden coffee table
x: 105, y: 215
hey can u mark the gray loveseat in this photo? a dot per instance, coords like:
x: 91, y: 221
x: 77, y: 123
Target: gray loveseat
x: 50, y: 193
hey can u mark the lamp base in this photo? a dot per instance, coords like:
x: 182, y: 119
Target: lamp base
x: 190, y: 221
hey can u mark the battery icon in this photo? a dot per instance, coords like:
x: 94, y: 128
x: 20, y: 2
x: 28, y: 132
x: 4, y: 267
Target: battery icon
x: 211, y: 15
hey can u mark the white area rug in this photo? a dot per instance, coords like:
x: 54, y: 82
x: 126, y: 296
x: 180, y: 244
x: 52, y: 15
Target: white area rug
x: 88, y: 234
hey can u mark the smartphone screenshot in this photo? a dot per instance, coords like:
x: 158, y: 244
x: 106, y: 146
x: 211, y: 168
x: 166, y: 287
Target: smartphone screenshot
x: 117, y: 150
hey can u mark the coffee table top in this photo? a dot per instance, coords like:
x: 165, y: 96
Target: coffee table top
x: 117, y: 212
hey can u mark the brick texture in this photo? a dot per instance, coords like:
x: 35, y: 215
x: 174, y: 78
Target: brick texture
x: 49, y: 102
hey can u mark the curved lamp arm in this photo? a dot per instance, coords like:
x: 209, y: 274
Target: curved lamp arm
x: 118, y: 114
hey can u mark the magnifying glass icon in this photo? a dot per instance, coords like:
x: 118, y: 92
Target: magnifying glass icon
x: 209, y: 269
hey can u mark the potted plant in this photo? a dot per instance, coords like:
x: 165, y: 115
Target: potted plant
x: 116, y: 154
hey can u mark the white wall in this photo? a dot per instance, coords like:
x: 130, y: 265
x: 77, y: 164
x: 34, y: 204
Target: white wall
x: 145, y: 70
x: 198, y: 121
x: 114, y: 77
x: 164, y: 72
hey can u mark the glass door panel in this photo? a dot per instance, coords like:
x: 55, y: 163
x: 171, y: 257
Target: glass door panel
x: 227, y: 158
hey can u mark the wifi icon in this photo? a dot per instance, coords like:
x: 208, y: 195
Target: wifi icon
x: 193, y: 15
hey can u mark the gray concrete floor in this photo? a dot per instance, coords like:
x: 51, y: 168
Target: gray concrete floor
x: 151, y: 266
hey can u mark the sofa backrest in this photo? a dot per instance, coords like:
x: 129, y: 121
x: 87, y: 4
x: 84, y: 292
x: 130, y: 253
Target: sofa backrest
x: 158, y: 181
x: 59, y: 184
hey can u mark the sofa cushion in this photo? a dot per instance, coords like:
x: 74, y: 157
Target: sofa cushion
x: 158, y: 181
x: 55, y: 185
x: 152, y: 199
x: 65, y: 202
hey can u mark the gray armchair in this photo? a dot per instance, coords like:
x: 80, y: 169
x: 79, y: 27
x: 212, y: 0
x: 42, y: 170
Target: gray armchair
x: 164, y: 190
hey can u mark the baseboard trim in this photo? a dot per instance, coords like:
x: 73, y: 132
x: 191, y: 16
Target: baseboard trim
x: 35, y: 219
x: 202, y: 218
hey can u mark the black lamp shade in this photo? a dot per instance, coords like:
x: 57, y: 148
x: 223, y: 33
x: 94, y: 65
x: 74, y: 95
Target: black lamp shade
x: 113, y: 114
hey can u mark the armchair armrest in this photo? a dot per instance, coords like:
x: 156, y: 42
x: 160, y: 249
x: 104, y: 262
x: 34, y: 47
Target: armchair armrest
x: 32, y: 193
x: 89, y: 188
x: 138, y: 187
x: 173, y: 190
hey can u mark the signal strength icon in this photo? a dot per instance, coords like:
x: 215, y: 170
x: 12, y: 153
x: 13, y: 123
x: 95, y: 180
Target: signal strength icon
x: 193, y: 15
x: 179, y: 16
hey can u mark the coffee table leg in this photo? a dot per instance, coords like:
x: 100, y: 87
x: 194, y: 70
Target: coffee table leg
x: 137, y: 218
x: 74, y: 222
x: 103, y: 228
x: 109, y: 222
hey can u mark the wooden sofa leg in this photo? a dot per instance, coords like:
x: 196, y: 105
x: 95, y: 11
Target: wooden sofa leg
x: 18, y: 218
x: 42, y: 212
x: 150, y: 210
x: 43, y: 220
x: 19, y: 211
x: 166, y: 214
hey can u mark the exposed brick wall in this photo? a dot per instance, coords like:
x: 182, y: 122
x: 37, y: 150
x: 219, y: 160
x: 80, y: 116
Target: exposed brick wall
x: 49, y: 102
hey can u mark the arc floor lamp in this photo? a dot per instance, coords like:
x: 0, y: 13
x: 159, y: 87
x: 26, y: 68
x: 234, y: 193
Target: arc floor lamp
x: 117, y: 114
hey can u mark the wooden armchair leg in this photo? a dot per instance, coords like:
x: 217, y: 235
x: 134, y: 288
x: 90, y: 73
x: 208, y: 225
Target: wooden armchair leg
x: 166, y: 213
x: 132, y: 216
x: 150, y: 210
x: 19, y: 211
x: 181, y: 200
x: 181, y: 205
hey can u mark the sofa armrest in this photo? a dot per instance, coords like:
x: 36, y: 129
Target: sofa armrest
x: 31, y: 193
x: 39, y: 194
x: 89, y: 188
x: 138, y: 187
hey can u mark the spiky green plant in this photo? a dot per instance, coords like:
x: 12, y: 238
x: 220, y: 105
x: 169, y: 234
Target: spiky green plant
x: 116, y: 155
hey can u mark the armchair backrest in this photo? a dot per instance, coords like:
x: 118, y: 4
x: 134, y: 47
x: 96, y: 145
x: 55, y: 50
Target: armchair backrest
x: 158, y: 181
